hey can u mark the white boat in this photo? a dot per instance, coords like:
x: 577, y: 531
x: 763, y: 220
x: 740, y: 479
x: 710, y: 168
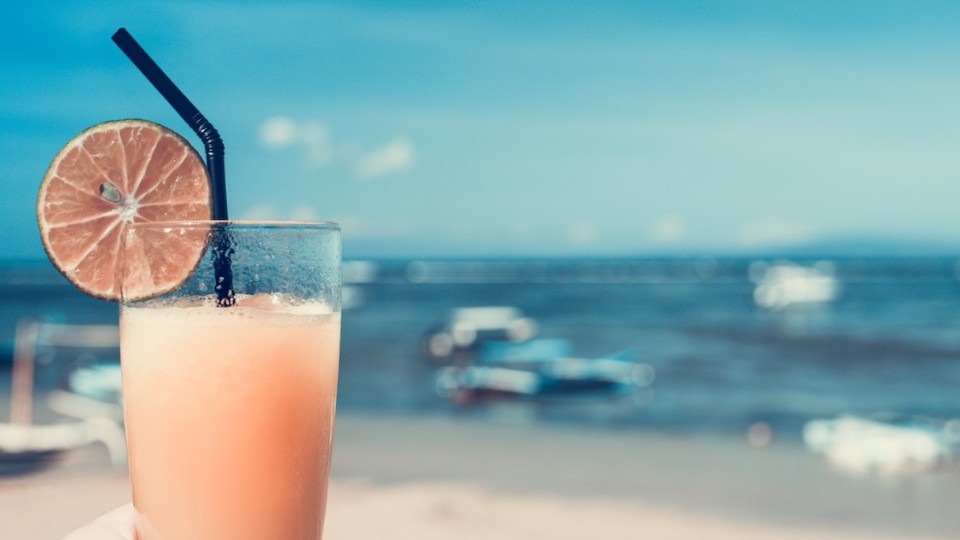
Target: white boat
x: 26, y: 443
x: 101, y: 382
x: 783, y: 284
x: 21, y: 440
x: 885, y: 446
x: 528, y: 369
x: 467, y: 327
x: 462, y: 383
x: 554, y: 361
x: 566, y: 372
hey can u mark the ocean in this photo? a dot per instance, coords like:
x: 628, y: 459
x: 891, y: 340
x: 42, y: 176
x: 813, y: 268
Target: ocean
x: 887, y: 341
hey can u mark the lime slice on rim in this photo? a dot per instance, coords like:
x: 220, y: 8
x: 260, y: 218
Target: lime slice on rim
x: 111, y: 175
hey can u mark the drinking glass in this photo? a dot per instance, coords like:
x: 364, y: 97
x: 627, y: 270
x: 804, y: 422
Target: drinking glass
x: 229, y: 410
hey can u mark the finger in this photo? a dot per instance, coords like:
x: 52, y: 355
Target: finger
x: 117, y: 524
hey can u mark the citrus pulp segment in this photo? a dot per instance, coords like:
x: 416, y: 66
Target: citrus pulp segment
x: 111, y: 175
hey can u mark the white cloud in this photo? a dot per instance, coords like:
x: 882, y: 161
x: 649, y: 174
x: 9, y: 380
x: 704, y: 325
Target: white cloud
x: 310, y: 137
x: 312, y: 140
x: 774, y: 231
x: 397, y: 155
x: 278, y: 132
x: 668, y: 230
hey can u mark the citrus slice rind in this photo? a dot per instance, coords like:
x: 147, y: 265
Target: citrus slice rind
x: 109, y: 176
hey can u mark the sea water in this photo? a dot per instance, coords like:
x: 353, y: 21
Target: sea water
x: 888, y: 342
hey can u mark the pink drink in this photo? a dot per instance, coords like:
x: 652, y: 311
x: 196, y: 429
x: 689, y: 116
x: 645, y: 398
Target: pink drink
x: 230, y: 416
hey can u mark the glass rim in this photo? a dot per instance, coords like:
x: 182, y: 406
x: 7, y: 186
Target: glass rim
x: 237, y: 223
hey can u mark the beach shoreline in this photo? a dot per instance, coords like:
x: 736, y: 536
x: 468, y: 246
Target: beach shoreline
x: 442, y: 477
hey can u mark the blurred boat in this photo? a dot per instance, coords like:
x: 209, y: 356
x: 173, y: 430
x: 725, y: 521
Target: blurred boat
x: 92, y: 391
x: 783, y: 284
x: 554, y: 361
x: 526, y: 370
x: 359, y: 271
x: 464, y: 384
x: 100, y: 381
x: 351, y: 297
x: 886, y: 446
x: 25, y: 445
x: 565, y: 374
x: 533, y: 351
x: 466, y: 328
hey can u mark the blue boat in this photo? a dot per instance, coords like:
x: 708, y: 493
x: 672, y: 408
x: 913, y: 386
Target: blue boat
x: 541, y: 368
x: 533, y: 351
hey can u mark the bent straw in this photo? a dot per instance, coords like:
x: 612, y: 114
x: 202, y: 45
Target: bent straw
x: 212, y: 143
x: 186, y: 109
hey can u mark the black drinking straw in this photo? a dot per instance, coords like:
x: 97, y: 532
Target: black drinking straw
x: 211, y: 142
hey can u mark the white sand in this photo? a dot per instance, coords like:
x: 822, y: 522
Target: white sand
x: 399, y: 478
x: 440, y: 511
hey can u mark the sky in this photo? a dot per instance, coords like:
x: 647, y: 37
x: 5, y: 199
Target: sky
x: 506, y: 129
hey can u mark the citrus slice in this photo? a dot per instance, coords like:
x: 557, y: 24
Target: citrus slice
x: 111, y: 175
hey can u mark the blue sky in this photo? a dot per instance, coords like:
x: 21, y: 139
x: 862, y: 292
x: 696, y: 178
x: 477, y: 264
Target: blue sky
x: 522, y: 128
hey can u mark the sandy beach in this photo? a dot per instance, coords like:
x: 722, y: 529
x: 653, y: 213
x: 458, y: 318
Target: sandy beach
x: 438, y: 478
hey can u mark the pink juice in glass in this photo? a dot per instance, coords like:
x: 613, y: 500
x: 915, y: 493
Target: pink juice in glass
x: 229, y: 415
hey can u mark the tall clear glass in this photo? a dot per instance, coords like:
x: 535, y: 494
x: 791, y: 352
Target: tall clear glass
x: 229, y: 410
